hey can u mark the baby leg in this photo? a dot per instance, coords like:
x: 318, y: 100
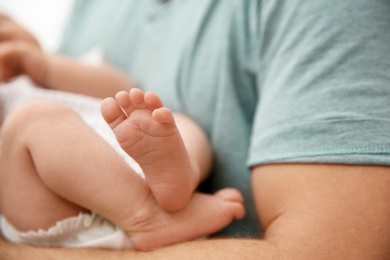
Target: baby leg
x: 203, y: 215
x: 54, y: 166
x: 147, y: 131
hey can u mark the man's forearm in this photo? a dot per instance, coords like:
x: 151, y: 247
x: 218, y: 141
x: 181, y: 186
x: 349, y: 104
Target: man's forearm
x: 202, y: 249
x: 71, y: 75
x: 219, y: 249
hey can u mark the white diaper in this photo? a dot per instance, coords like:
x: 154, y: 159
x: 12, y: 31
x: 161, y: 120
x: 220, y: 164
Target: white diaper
x: 84, y: 230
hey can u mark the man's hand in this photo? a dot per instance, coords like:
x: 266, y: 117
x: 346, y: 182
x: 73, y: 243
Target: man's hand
x: 20, y: 53
x: 22, y: 58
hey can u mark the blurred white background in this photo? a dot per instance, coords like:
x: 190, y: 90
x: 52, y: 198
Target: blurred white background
x: 44, y: 18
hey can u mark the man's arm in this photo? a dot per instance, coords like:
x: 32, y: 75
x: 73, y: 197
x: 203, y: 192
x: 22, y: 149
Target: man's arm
x: 10, y: 30
x: 325, y: 211
x: 21, y: 54
x: 203, y: 249
x: 308, y: 212
x: 69, y: 74
x: 58, y: 72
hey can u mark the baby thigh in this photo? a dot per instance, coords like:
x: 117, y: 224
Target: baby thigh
x: 54, y: 166
x: 26, y: 200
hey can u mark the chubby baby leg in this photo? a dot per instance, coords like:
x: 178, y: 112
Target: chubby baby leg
x: 26, y: 201
x: 55, y: 166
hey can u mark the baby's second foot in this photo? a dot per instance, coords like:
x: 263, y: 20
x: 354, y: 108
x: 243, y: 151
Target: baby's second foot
x: 205, y: 214
x: 147, y: 132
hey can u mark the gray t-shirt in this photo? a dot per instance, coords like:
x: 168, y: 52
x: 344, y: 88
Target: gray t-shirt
x: 270, y: 81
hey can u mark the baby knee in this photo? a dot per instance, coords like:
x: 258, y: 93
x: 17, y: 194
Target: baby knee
x: 31, y: 113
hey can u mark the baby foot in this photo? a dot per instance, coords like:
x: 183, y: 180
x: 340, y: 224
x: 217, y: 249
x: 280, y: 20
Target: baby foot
x: 147, y: 132
x: 205, y: 214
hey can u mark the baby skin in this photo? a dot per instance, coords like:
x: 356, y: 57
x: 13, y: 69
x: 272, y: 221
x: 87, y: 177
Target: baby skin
x: 173, y: 168
x: 147, y: 131
x: 40, y: 187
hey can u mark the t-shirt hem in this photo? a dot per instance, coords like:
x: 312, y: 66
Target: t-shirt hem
x: 371, y: 155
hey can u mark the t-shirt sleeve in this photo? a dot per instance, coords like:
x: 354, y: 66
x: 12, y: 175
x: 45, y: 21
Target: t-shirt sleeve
x: 323, y: 82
